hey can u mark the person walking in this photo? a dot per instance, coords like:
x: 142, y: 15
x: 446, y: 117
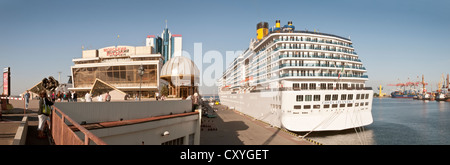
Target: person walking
x: 27, y: 99
x: 69, y: 96
x: 43, y: 112
x: 63, y: 97
x: 195, y: 101
x: 107, y: 97
x: 58, y: 96
x: 88, y: 97
x: 53, y: 97
x: 74, y: 96
x: 99, y: 98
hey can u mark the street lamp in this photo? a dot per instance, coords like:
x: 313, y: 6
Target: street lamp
x: 141, y: 73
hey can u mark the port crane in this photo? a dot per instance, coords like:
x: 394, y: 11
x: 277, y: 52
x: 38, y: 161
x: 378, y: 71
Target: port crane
x: 410, y: 84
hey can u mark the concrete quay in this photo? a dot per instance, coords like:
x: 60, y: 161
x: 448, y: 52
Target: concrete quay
x: 229, y: 127
x: 15, y: 131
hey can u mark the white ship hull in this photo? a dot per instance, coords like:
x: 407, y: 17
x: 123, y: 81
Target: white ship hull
x: 299, y: 80
x: 277, y: 109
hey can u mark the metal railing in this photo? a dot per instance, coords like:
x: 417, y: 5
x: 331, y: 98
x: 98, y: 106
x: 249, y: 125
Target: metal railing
x: 62, y: 134
x: 321, y: 75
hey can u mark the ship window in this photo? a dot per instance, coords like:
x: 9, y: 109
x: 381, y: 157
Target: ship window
x: 335, y: 97
x: 334, y: 106
x: 308, y: 97
x: 299, y: 97
x: 295, y: 86
x: 297, y: 107
x: 326, y: 106
x: 330, y: 85
x: 345, y: 86
x: 307, y: 107
x: 349, y: 105
x: 343, y: 97
x: 356, y: 104
x: 367, y: 96
x: 341, y: 105
x: 312, y: 86
x: 367, y: 103
x: 357, y: 96
x: 305, y: 86
x: 323, y: 86
x: 316, y: 106
x: 316, y: 97
x: 362, y: 96
x: 350, y: 96
x: 327, y: 97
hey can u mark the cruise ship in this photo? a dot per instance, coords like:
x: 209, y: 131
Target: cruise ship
x: 299, y: 80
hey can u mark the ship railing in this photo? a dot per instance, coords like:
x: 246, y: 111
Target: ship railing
x: 311, y: 56
x: 317, y: 65
x: 313, y: 48
x: 321, y: 75
x: 308, y: 89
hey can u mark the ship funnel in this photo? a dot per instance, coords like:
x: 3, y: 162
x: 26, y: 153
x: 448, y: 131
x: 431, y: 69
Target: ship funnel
x: 262, y: 29
x: 277, y: 24
x: 289, y: 27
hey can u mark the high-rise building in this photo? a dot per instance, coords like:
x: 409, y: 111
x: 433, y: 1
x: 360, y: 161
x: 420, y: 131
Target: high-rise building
x: 168, y: 45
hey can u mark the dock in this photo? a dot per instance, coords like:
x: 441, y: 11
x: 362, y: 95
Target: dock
x: 230, y: 127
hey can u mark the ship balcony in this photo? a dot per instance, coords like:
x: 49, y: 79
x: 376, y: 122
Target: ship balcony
x: 321, y: 65
x: 322, y: 75
x: 318, y: 88
x: 317, y: 41
x: 317, y: 56
x: 314, y: 48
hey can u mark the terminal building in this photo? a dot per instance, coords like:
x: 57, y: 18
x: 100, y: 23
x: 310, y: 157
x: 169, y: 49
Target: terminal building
x: 118, y: 66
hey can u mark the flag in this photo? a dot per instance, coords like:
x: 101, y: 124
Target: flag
x: 339, y: 75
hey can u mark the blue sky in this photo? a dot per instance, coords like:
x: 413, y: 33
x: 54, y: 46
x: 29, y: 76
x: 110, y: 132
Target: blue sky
x: 394, y: 39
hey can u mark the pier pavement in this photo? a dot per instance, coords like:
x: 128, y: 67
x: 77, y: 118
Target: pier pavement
x: 229, y: 127
x: 11, y: 120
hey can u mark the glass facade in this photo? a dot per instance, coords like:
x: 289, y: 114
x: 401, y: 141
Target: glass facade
x: 166, y: 39
x: 118, y: 76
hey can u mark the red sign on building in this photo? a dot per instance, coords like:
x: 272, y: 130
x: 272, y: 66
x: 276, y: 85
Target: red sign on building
x: 116, y: 51
x: 6, y: 81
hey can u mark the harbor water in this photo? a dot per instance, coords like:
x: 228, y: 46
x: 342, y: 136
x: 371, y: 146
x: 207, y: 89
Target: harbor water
x: 397, y: 122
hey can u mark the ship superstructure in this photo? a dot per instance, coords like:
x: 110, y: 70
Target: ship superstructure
x: 299, y: 80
